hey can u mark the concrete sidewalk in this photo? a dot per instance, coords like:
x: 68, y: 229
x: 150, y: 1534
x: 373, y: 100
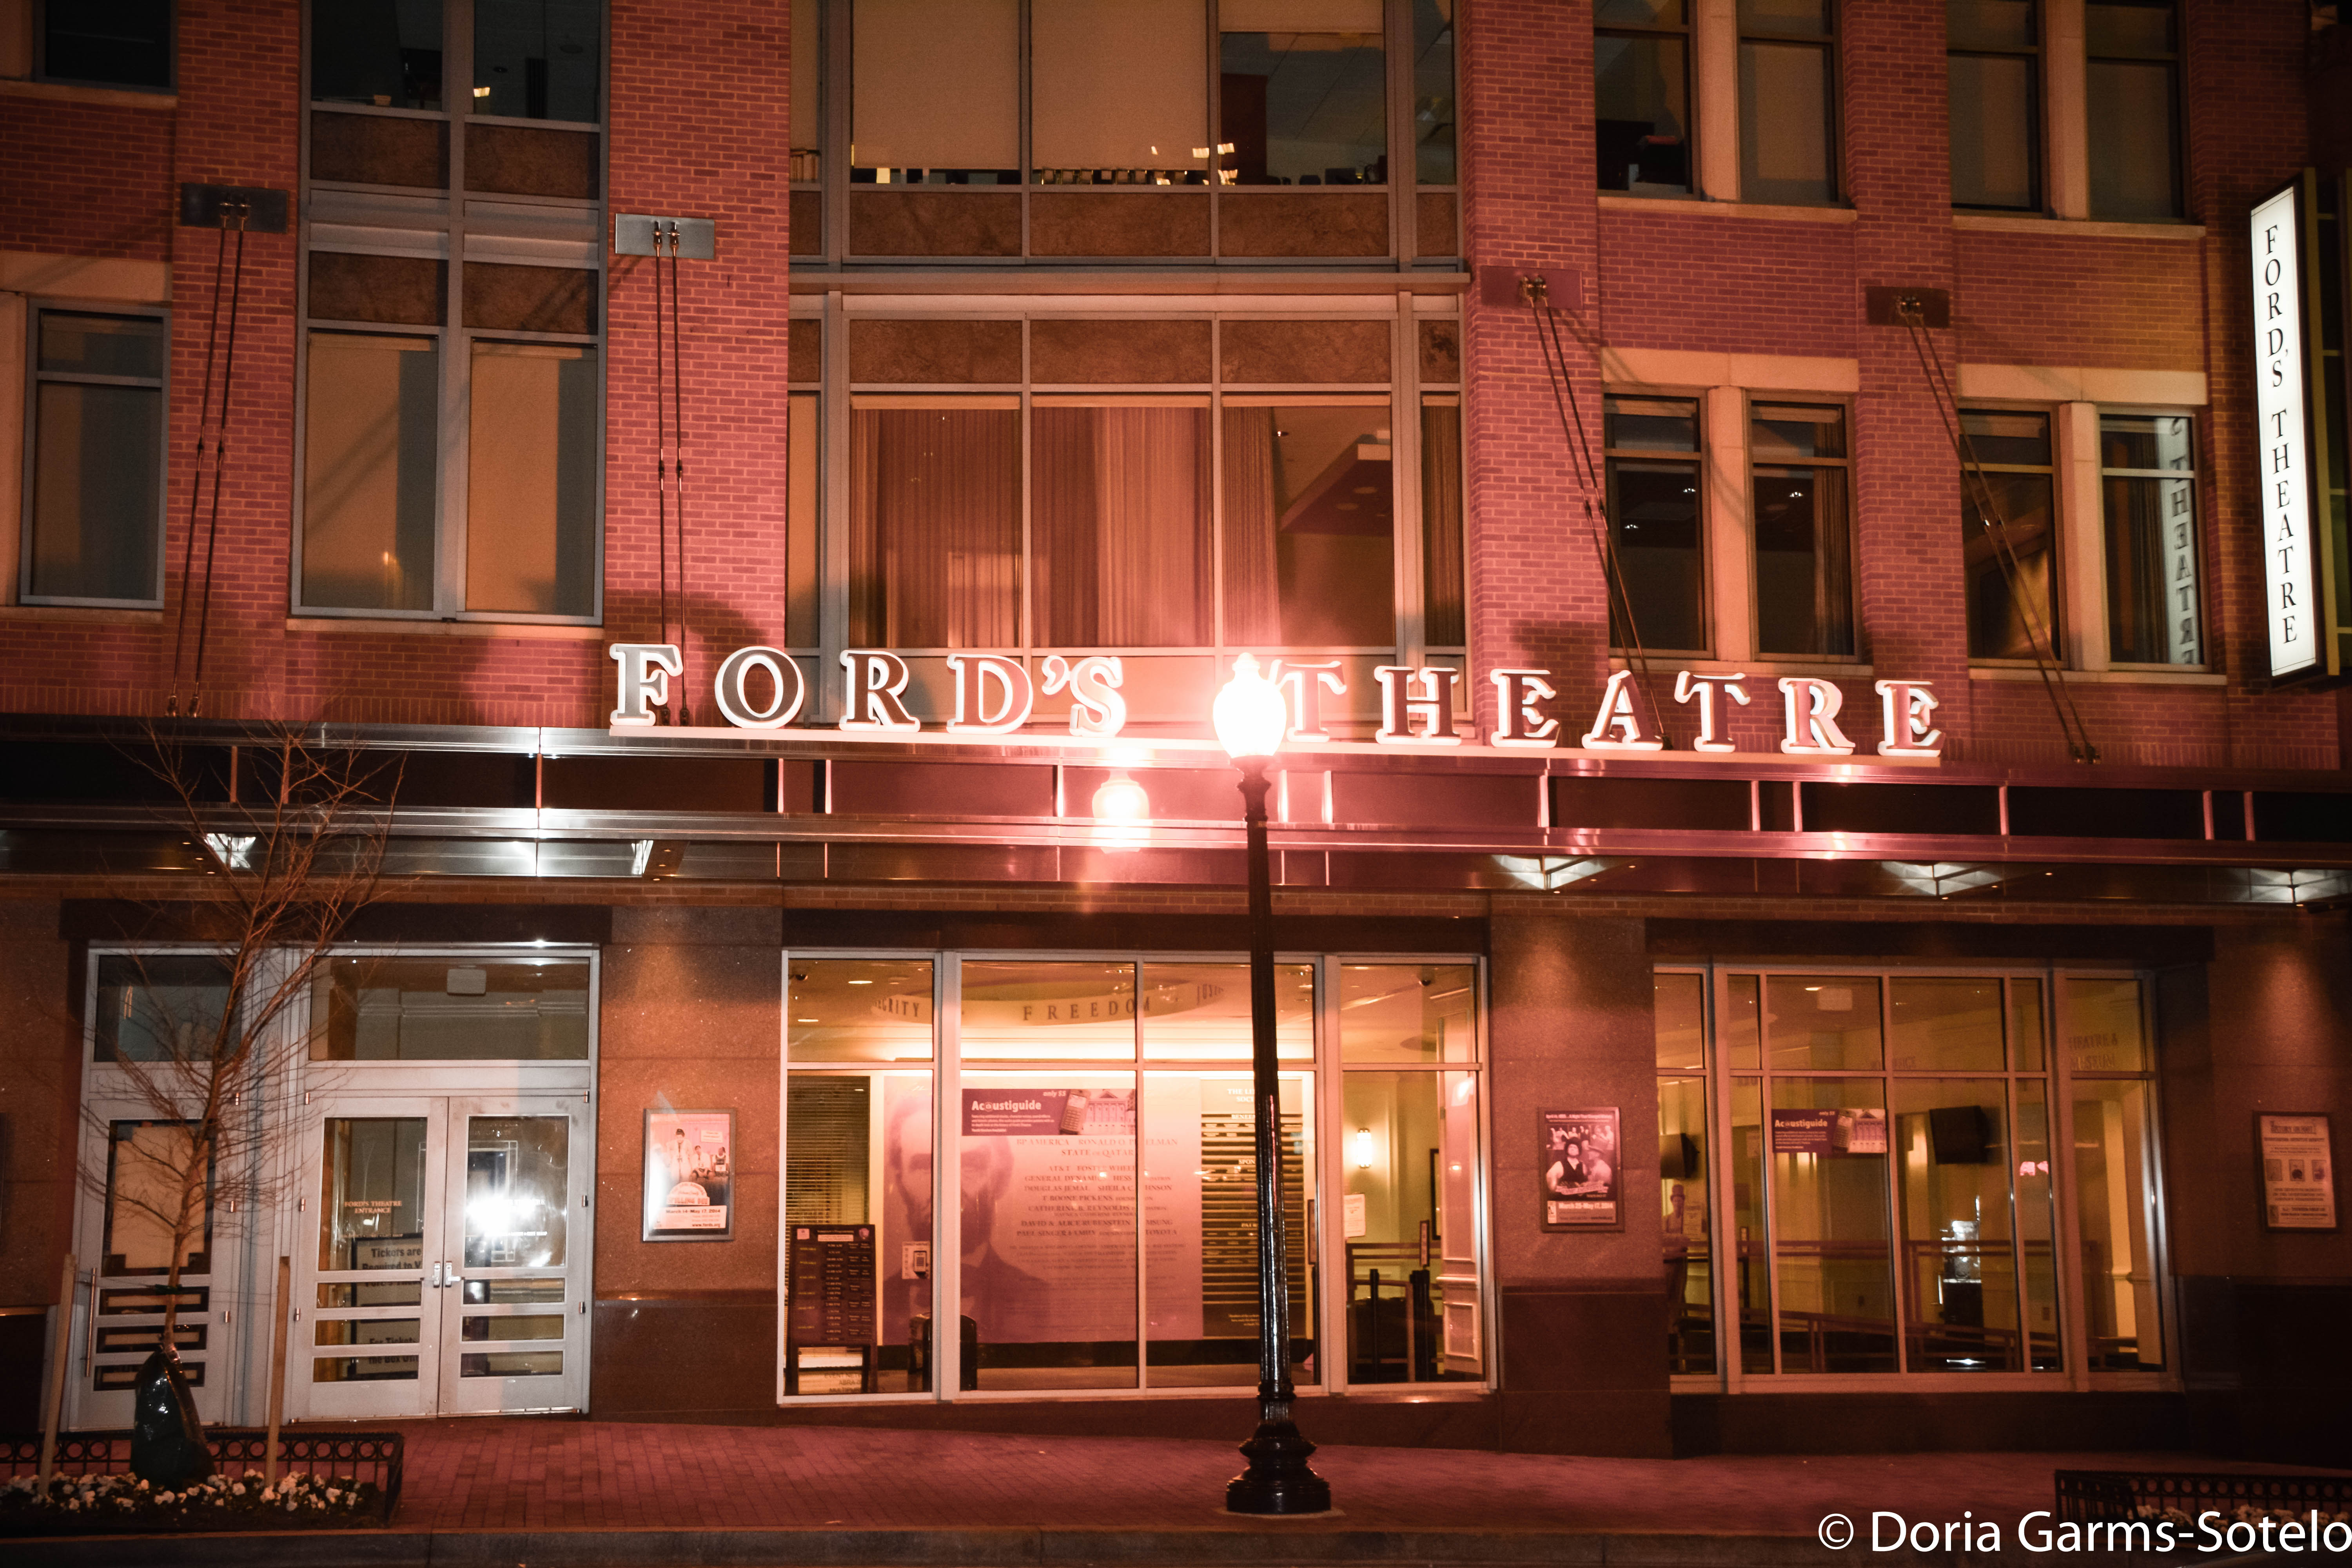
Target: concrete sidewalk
x: 555, y: 1491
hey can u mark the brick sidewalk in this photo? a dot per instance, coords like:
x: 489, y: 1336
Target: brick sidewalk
x: 561, y: 1474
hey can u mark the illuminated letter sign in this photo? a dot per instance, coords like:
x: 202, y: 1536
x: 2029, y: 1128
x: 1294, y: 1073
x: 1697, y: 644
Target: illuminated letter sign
x: 646, y: 671
x: 2290, y: 561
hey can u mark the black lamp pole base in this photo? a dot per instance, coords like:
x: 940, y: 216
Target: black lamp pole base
x: 1277, y: 1479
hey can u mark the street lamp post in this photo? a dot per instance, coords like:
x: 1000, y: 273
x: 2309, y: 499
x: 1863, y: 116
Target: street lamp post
x: 1251, y: 718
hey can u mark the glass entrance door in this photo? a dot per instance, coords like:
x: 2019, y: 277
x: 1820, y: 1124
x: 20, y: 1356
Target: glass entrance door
x: 440, y: 1274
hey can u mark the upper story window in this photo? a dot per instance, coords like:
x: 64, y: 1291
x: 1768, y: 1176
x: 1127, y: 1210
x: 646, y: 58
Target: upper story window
x: 94, y: 485
x: 1642, y: 96
x: 2009, y: 535
x: 1180, y: 105
x: 1787, y: 101
x: 2133, y: 108
x: 2148, y: 490
x: 452, y: 411
x: 1800, y: 479
x: 107, y: 43
x: 1994, y: 68
x: 1654, y: 523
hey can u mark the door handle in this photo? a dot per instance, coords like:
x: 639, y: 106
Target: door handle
x: 436, y: 1279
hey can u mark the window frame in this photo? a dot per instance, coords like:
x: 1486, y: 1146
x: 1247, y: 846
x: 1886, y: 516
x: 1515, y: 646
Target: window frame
x: 2075, y: 1373
x: 39, y: 20
x: 2037, y: 113
x: 2057, y: 622
x: 1324, y: 1067
x: 454, y: 340
x: 2175, y: 72
x: 1702, y: 457
x: 1830, y: 46
x: 2194, y: 476
x: 36, y: 308
x: 1844, y: 402
x: 1689, y: 32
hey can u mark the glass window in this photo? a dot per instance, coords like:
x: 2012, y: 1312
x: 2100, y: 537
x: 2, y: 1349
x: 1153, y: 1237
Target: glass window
x: 371, y: 466
x: 1823, y: 1023
x: 2148, y: 491
x: 2105, y: 1033
x: 1412, y: 1285
x: 1073, y: 1012
x: 1442, y: 573
x: 1960, y: 1296
x: 1407, y: 1013
x: 371, y: 1206
x: 1118, y: 91
x: 159, y: 1200
x: 388, y: 56
x: 2133, y: 102
x: 1201, y: 1012
x: 860, y: 1010
x: 1830, y: 1231
x: 1804, y: 535
x: 1119, y: 520
x: 808, y: 89
x: 1994, y: 67
x: 1642, y: 96
x: 1303, y: 91
x: 532, y: 475
x: 2008, y: 536
x: 1309, y: 546
x: 934, y: 523
x: 936, y: 94
x: 96, y: 459
x: 1685, y: 1236
x: 539, y: 59
x: 803, y: 516
x: 858, y: 1206
x: 1787, y: 97
x: 159, y: 1006
x: 2114, y: 1181
x: 1434, y: 92
x: 517, y: 1192
x: 1943, y: 1024
x: 116, y: 43
x: 1680, y: 1003
x: 468, y: 1009
x: 1653, y: 524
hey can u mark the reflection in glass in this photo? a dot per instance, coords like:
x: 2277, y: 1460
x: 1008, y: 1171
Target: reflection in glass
x: 2025, y: 1025
x: 1824, y: 1021
x: 1683, y: 1178
x: 1412, y: 1289
x: 471, y: 1008
x: 2150, y: 499
x: 1960, y: 1263
x: 531, y: 471
x: 1751, y: 1285
x: 1653, y: 524
x: 934, y: 526
x: 1741, y: 1025
x: 2037, y: 1227
x: 1681, y: 1012
x: 538, y: 59
x: 1641, y: 105
x: 1995, y: 103
x: 1305, y: 107
x: 2104, y: 1032
x: 159, y: 1200
x: 2131, y: 92
x: 1407, y: 1013
x: 2113, y: 1173
x: 97, y: 473
x: 1200, y: 1184
x: 1804, y: 545
x: 1309, y: 547
x: 1830, y: 1231
x: 859, y: 1010
x: 2007, y: 536
x: 1048, y: 1228
x: 388, y: 56
x: 516, y: 1192
x: 858, y: 1303
x: 1434, y: 93
x: 159, y: 1007
x: 1050, y: 1011
x: 370, y: 468
x: 365, y: 1331
x: 1201, y: 1012
x: 1119, y: 520
x: 372, y: 1199
x: 1940, y: 1024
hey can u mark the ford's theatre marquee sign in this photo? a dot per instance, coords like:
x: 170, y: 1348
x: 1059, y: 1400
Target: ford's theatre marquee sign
x: 995, y: 695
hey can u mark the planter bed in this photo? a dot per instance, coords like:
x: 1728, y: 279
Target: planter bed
x: 348, y: 1481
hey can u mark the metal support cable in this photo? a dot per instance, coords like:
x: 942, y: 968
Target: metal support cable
x: 1988, y: 502
x: 205, y: 432
x: 677, y: 465
x: 220, y: 463
x: 661, y: 461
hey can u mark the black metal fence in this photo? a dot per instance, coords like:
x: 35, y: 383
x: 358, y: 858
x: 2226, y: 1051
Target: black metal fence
x: 362, y: 1457
x: 2085, y: 1496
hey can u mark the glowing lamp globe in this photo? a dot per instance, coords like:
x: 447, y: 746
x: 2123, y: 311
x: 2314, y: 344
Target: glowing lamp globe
x: 1122, y: 811
x: 1250, y: 715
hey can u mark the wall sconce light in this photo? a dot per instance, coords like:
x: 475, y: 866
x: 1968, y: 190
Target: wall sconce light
x: 1363, y: 1148
x: 1122, y: 812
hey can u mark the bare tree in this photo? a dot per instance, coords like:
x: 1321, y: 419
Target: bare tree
x: 197, y: 1037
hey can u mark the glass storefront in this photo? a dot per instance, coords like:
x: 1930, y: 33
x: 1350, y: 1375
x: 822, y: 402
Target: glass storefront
x: 1098, y: 1115
x: 1890, y: 1153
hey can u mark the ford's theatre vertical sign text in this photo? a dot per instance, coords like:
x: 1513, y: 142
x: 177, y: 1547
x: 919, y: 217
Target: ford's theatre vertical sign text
x: 2289, y: 578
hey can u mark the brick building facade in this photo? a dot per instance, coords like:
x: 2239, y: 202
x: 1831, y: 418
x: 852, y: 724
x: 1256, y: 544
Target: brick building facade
x: 1613, y: 908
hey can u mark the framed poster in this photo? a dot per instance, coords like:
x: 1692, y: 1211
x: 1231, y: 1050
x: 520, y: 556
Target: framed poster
x: 689, y: 1175
x: 1579, y: 1155
x: 2298, y: 1169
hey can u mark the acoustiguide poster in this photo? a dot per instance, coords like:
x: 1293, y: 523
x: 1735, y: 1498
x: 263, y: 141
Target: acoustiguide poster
x: 1578, y: 1157
x: 2298, y: 1170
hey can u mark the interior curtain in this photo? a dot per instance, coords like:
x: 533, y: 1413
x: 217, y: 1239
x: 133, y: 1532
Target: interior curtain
x: 1253, y: 601
x: 1441, y: 525
x: 2135, y: 587
x: 1834, y: 545
x: 1119, y: 501
x: 935, y: 527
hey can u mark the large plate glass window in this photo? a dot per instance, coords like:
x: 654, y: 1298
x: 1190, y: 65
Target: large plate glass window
x: 1642, y: 130
x: 1302, y: 89
x: 2008, y: 536
x: 2132, y: 98
x: 1655, y: 532
x: 94, y: 486
x: 1788, y: 100
x: 1993, y: 65
x: 2147, y: 487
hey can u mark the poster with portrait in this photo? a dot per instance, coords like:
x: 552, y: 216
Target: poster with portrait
x: 1580, y: 1160
x: 689, y: 1175
x: 2298, y: 1169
